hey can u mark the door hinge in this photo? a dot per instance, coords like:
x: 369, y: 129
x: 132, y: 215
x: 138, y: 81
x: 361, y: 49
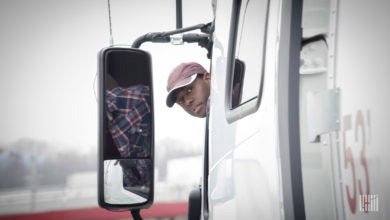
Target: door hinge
x: 323, y: 113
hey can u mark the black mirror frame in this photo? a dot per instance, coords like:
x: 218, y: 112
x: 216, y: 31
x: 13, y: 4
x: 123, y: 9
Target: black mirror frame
x: 102, y: 124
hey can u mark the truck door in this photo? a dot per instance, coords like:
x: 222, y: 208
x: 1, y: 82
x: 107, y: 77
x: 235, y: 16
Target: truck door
x: 244, y: 159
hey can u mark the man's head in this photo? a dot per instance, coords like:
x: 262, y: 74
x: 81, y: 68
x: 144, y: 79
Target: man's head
x: 189, y: 86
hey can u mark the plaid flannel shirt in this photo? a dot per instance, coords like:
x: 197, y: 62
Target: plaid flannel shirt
x: 130, y: 124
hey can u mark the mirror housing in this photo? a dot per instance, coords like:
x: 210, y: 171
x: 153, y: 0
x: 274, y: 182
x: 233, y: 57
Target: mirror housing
x: 126, y: 131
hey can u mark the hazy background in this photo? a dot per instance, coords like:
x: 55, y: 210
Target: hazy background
x: 48, y: 114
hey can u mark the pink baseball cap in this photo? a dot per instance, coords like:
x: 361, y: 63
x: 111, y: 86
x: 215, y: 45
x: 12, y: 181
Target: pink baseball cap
x: 184, y: 74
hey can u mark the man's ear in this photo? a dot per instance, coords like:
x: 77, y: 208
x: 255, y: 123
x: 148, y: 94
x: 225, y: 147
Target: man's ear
x: 207, y: 76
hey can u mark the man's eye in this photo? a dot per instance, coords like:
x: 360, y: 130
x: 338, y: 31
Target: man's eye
x: 180, y: 100
x: 189, y: 90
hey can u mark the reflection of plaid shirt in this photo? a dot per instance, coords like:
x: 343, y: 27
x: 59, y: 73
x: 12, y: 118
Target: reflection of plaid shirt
x: 130, y: 124
x: 136, y: 173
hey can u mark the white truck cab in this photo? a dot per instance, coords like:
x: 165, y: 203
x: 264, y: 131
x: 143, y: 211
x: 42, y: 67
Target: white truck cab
x: 301, y: 144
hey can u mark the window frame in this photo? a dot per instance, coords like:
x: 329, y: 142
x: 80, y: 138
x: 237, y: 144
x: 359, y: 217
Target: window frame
x: 252, y: 105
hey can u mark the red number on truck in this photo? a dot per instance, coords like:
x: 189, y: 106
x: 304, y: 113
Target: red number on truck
x: 349, y: 163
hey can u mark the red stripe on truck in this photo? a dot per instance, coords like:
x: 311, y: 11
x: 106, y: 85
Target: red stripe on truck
x: 156, y: 210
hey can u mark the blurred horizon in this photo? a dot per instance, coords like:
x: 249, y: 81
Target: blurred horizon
x: 41, y: 174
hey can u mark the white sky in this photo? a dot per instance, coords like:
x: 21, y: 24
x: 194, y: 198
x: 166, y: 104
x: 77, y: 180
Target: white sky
x: 48, y: 61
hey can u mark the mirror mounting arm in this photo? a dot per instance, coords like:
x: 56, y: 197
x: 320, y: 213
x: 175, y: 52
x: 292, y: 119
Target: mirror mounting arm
x: 135, y: 213
x: 203, y: 40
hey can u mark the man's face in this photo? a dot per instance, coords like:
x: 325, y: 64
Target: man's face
x: 193, y: 97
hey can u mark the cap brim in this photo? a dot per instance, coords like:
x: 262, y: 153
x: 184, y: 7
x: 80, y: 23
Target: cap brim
x: 171, y: 98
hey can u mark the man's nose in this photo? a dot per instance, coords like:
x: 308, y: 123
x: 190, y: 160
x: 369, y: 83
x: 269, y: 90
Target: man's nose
x: 188, y: 101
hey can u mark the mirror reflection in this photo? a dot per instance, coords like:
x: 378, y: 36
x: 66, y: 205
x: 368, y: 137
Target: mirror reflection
x: 127, y: 181
x: 129, y: 116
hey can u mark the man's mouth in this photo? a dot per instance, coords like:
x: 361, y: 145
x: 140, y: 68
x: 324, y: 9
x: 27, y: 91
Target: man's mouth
x: 197, y: 108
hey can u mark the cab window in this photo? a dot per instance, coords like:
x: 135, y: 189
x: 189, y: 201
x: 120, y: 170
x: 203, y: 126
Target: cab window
x: 246, y: 54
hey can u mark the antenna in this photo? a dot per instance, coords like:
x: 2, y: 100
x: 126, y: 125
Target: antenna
x: 109, y: 21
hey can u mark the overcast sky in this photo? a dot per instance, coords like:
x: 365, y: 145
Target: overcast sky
x: 48, y: 62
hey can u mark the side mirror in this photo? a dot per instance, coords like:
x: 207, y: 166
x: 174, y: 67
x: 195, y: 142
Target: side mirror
x: 126, y: 133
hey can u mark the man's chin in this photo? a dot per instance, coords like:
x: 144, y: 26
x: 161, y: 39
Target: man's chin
x: 201, y: 115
